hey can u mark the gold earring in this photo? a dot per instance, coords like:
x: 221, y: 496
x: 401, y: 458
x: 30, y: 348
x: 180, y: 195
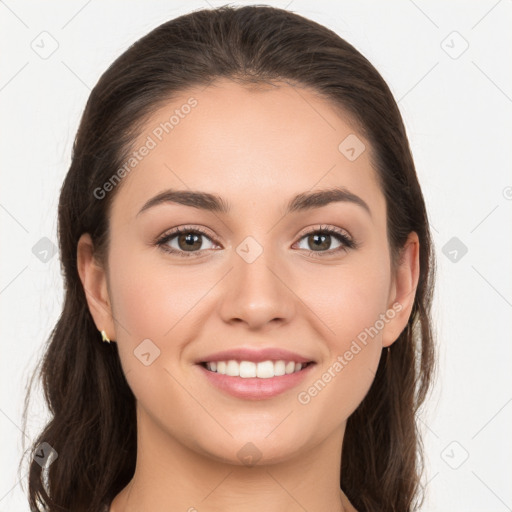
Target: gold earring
x: 104, y: 336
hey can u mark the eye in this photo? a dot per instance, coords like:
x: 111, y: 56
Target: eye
x: 322, y: 239
x: 188, y: 240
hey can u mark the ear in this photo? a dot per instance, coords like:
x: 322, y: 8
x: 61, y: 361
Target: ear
x: 94, y: 282
x: 403, y: 290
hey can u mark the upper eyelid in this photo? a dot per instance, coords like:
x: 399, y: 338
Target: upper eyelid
x: 324, y: 227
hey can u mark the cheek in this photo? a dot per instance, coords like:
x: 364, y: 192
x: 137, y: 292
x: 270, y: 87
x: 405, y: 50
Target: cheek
x: 154, y: 311
x: 149, y: 299
x: 346, y: 298
x: 350, y: 300
x: 351, y: 307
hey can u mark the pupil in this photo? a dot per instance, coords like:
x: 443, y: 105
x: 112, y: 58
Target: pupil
x: 324, y: 237
x: 190, y: 239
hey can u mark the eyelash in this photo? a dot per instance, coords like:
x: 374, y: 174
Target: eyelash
x: 347, y: 243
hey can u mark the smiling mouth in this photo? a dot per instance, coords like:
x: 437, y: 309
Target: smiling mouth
x: 261, y: 370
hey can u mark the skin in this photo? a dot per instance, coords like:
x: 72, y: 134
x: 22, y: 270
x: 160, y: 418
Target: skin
x: 244, y: 144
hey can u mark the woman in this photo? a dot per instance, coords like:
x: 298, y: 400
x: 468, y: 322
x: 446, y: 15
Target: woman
x: 257, y: 349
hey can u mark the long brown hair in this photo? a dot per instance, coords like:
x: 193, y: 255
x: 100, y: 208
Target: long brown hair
x: 93, y: 424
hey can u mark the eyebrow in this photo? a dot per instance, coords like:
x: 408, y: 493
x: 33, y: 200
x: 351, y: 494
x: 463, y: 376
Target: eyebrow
x: 214, y: 203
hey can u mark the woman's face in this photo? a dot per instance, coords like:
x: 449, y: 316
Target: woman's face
x: 259, y: 277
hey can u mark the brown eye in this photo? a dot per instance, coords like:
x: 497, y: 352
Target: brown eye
x: 184, y: 240
x: 321, y: 241
x: 189, y: 241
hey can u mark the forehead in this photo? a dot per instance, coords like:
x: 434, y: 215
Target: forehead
x: 250, y: 144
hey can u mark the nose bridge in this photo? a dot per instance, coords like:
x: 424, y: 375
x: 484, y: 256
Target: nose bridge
x: 256, y: 293
x: 255, y: 264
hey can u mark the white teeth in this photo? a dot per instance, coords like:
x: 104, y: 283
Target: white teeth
x: 249, y: 369
x: 290, y: 367
x: 265, y: 370
x: 232, y: 369
x: 279, y: 368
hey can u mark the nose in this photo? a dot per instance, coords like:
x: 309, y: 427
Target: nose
x: 256, y: 292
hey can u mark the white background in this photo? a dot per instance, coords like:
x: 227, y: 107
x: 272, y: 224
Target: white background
x: 458, y: 116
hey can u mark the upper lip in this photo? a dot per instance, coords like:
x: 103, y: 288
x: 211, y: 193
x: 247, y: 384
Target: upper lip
x: 255, y: 355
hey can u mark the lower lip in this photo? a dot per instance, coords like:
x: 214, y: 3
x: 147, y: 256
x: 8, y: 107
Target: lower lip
x: 255, y: 388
